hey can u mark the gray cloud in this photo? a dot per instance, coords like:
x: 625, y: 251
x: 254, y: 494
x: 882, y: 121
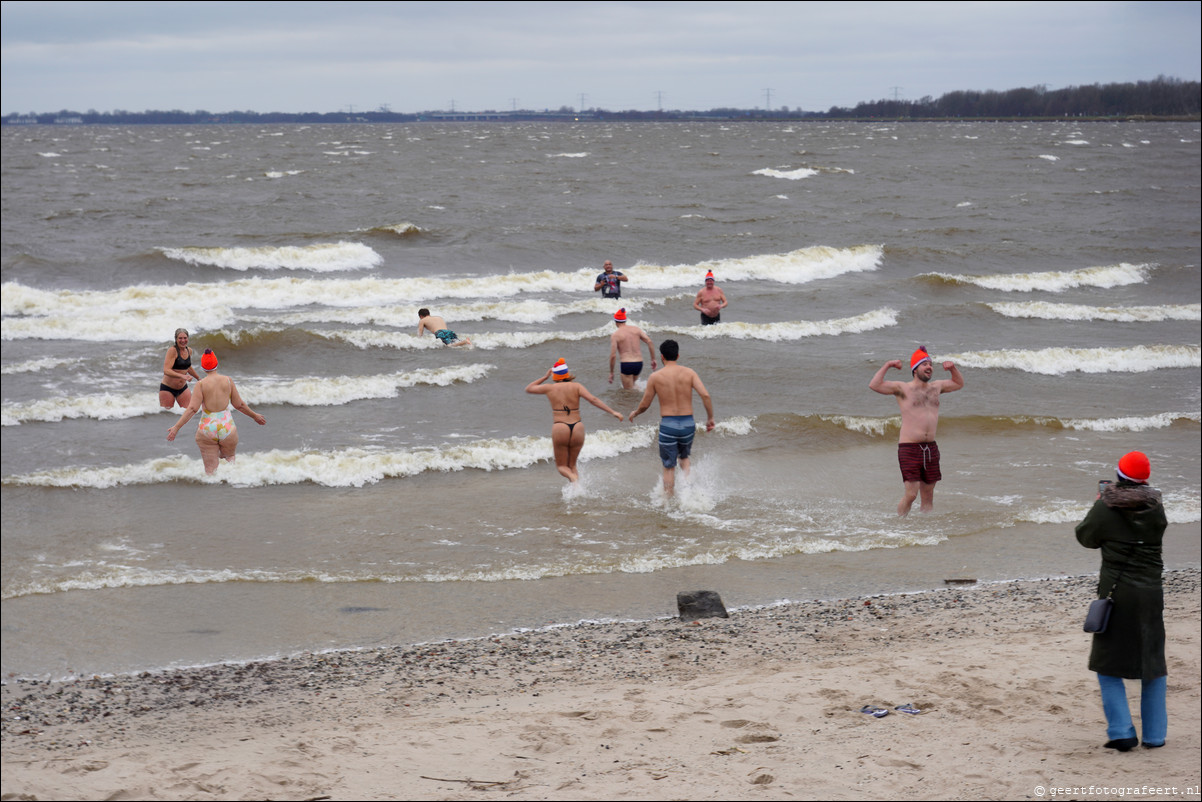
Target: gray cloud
x: 423, y: 56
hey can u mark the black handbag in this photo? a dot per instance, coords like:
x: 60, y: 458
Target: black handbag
x: 1098, y: 616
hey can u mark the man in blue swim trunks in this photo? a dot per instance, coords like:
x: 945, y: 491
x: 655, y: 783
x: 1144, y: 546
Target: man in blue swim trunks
x: 624, y: 345
x: 674, y: 385
x: 438, y: 327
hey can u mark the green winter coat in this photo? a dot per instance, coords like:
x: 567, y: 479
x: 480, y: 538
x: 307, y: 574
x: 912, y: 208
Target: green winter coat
x: 1127, y: 523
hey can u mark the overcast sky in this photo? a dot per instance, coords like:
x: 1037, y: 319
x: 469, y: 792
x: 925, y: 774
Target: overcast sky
x: 409, y: 57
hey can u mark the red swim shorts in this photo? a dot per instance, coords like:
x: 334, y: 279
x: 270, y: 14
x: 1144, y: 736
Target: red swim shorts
x: 919, y: 462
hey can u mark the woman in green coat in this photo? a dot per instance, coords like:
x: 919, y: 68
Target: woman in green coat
x: 1127, y: 523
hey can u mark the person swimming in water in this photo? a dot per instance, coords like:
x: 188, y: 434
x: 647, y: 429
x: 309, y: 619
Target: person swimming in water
x: 567, y: 429
x: 438, y: 327
x: 216, y: 436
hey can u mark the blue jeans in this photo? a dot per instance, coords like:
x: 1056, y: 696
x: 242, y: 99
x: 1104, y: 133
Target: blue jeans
x: 1152, y: 712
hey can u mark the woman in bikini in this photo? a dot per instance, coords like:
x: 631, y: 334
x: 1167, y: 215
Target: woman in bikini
x: 567, y: 429
x: 217, y: 436
x: 177, y: 369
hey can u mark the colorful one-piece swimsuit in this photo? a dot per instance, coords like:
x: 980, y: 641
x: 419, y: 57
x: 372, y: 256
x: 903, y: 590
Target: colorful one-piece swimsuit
x: 217, y: 425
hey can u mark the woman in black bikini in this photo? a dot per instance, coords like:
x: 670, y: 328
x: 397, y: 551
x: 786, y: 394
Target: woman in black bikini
x: 567, y: 430
x: 177, y: 367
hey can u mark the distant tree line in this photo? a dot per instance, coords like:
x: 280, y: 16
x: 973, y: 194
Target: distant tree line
x: 1165, y: 98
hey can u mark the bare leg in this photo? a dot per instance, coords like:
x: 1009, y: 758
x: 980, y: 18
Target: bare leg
x: 210, y: 452
x: 927, y: 494
x: 669, y: 482
x: 628, y: 381
x: 574, y: 447
x: 167, y: 400
x: 561, y: 441
x: 213, y: 451
x: 911, y: 493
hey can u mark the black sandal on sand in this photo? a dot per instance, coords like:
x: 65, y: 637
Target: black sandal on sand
x: 874, y: 711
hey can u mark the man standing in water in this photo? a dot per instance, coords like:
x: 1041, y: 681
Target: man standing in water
x: 609, y: 282
x: 674, y: 385
x: 438, y: 327
x: 918, y: 400
x: 710, y: 301
x: 624, y: 344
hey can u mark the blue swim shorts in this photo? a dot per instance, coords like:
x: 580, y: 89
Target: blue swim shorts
x: 675, y: 438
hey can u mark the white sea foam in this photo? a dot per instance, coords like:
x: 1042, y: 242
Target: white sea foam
x: 1142, y: 423
x: 403, y: 229
x: 881, y: 426
x: 1057, y: 361
x: 320, y: 258
x: 308, y: 391
x: 532, y: 311
x: 38, y: 365
x: 1179, y: 508
x: 144, y: 312
x: 792, y: 175
x: 787, y: 331
x: 488, y: 341
x: 352, y: 467
x: 1056, y: 281
x: 1122, y: 314
x: 873, y: 426
x: 1049, y: 157
x: 1055, y: 512
x: 777, y: 542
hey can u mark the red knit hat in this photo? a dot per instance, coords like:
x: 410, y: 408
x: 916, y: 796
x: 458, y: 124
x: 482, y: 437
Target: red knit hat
x: 1134, y: 467
x: 918, y: 357
x: 209, y: 360
x: 620, y: 315
x: 709, y: 276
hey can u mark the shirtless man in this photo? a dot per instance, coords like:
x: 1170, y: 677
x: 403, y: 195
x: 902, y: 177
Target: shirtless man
x: 674, y: 385
x: 216, y: 436
x: 438, y: 327
x: 710, y: 301
x: 919, y: 402
x: 624, y: 345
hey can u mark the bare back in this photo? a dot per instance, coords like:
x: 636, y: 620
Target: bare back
x: 215, y: 392
x: 625, y: 341
x: 673, y: 385
x: 565, y: 401
x: 431, y: 323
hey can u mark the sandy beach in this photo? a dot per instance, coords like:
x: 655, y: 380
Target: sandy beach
x: 762, y: 705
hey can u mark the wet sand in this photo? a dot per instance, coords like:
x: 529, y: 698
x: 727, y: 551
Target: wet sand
x: 764, y: 704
